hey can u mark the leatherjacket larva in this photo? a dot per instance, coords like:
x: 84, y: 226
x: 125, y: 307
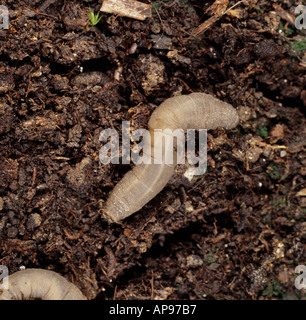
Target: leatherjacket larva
x: 39, y: 284
x: 145, y: 181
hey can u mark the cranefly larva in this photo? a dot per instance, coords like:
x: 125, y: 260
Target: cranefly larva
x: 145, y: 181
x: 39, y: 284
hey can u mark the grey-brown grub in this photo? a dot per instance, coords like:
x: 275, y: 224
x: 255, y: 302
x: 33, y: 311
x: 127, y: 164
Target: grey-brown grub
x: 145, y: 181
x: 39, y: 284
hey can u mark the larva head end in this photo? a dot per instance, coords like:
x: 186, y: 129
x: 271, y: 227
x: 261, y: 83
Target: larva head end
x: 235, y: 119
x: 108, y: 217
x: 232, y: 118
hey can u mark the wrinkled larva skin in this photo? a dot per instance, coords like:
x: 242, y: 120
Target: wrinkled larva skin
x: 145, y: 181
x: 39, y: 284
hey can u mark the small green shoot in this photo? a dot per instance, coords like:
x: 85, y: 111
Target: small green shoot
x: 274, y: 171
x: 281, y: 29
x: 262, y: 131
x: 273, y: 289
x: 288, y: 32
x: 94, y: 18
x: 156, y: 8
x: 299, y: 45
x: 210, y: 257
x: 279, y: 203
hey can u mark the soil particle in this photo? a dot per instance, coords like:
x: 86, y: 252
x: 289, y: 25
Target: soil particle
x: 77, y: 176
x: 194, y: 261
x: 33, y: 221
x: 268, y: 49
x: 6, y: 79
x: 152, y: 70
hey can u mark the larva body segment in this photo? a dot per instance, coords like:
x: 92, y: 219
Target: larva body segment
x: 145, y: 181
x: 34, y: 284
x: 194, y: 111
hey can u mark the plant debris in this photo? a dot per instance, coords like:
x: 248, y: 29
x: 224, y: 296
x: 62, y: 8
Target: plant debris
x: 127, y: 8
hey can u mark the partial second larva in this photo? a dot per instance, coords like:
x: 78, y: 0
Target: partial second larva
x: 39, y: 284
x: 145, y: 181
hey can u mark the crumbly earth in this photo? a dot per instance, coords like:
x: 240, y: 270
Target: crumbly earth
x: 237, y: 232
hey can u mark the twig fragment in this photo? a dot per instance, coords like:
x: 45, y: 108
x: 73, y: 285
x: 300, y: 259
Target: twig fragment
x: 128, y: 8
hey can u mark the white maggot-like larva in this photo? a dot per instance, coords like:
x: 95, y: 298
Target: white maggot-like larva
x: 145, y: 181
x: 39, y: 284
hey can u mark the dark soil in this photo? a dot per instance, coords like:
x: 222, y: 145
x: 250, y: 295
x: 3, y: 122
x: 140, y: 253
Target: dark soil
x: 237, y: 232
